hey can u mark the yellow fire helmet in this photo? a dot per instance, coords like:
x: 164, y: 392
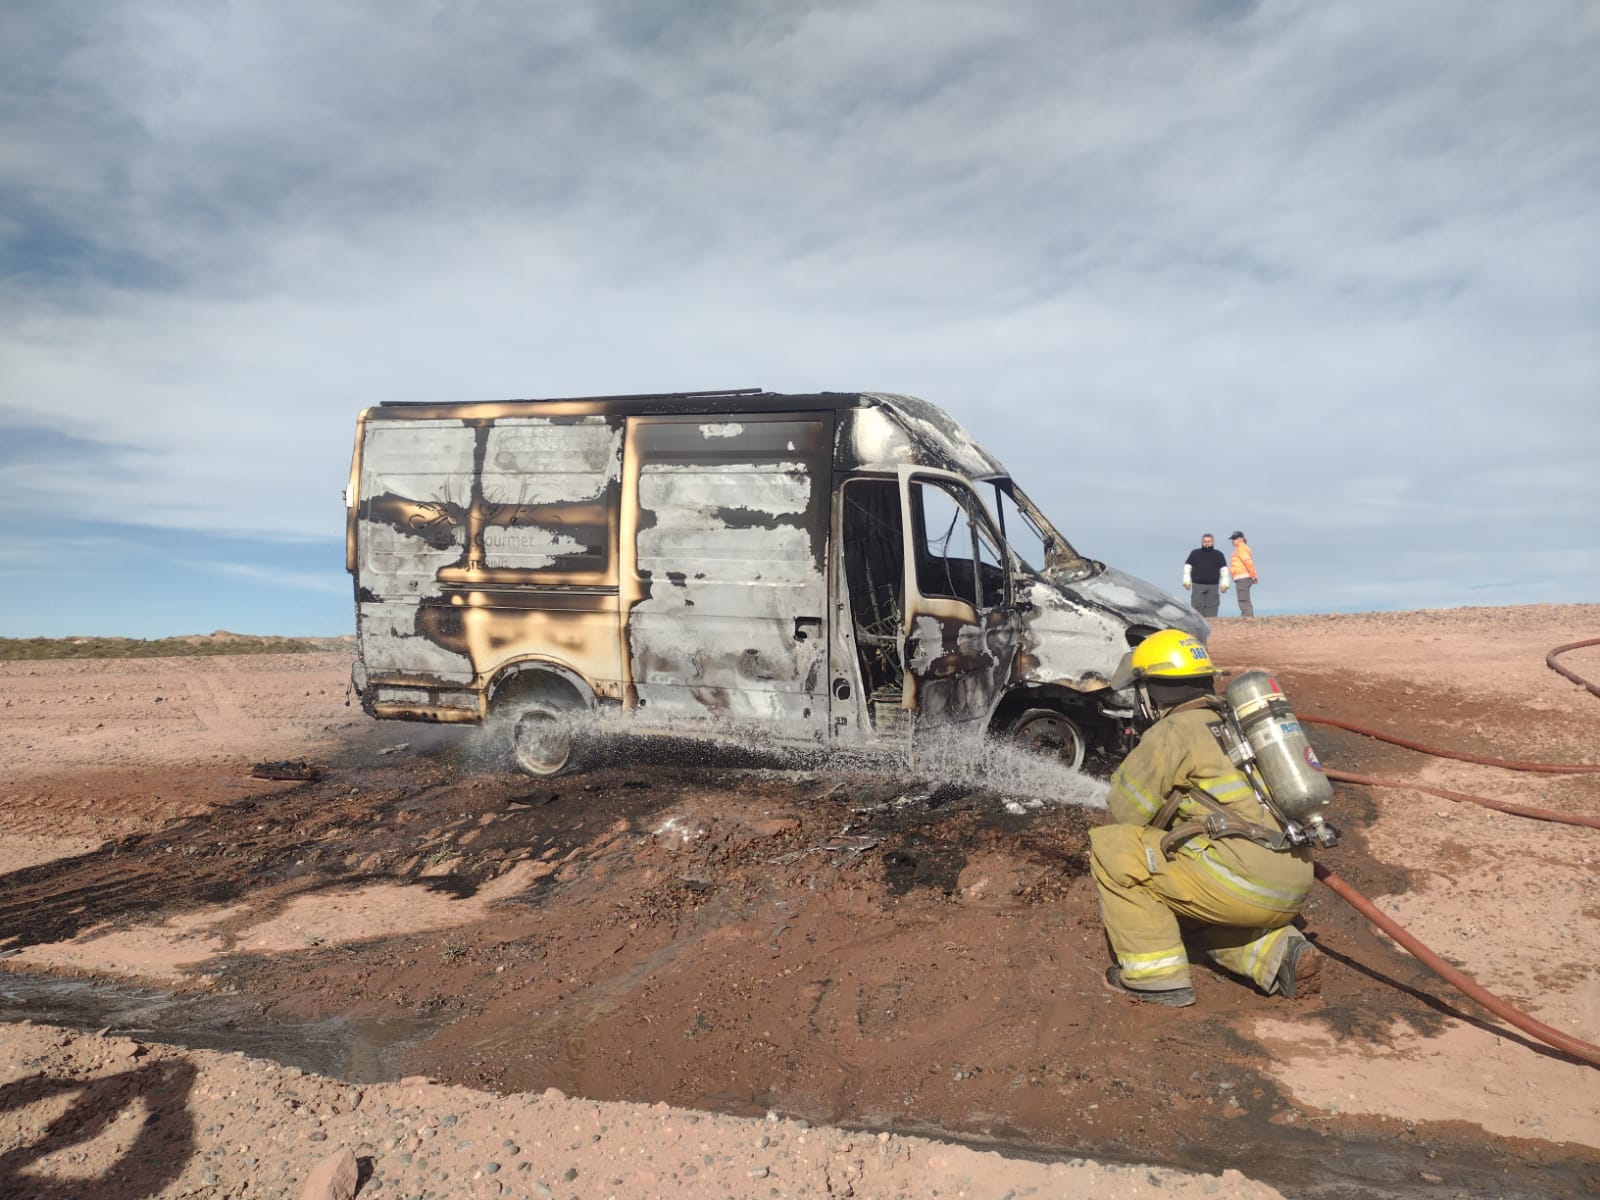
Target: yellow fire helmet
x: 1166, y: 654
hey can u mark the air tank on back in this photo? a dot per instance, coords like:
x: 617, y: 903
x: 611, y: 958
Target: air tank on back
x: 1284, y: 756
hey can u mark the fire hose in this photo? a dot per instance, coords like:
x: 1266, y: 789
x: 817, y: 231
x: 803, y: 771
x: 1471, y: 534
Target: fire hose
x: 1516, y: 810
x: 1584, y: 1051
x: 1519, y: 810
x: 1510, y: 764
x: 1464, y: 983
x: 1550, y: 661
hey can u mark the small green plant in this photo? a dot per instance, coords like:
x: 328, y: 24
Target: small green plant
x: 315, y: 939
x: 453, y: 951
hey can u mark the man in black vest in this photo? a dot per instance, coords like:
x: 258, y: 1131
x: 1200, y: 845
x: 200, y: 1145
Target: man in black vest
x: 1205, y: 571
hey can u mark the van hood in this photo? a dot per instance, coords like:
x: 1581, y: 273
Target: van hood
x: 1077, y: 631
x: 1136, y: 601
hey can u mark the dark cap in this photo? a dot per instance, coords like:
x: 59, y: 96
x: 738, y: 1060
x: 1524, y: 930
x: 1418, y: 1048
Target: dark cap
x: 1235, y: 534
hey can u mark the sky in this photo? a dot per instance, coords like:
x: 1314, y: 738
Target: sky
x: 1326, y: 273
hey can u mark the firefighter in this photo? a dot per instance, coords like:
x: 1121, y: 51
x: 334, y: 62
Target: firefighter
x: 1163, y: 876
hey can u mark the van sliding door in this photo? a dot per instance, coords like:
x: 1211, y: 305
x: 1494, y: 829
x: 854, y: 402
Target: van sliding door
x: 724, y: 537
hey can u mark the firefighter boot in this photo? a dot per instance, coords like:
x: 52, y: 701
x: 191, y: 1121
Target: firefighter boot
x: 1300, y: 973
x: 1178, y: 997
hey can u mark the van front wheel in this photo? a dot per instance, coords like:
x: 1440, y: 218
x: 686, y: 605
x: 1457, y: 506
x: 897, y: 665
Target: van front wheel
x: 542, y: 740
x: 1049, y: 731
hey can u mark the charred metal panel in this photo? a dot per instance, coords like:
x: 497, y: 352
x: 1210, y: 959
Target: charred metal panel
x: 870, y: 439
x: 960, y: 668
x: 701, y: 523
x: 424, y: 703
x: 726, y: 596
x: 479, y: 545
x: 549, y: 491
x: 497, y: 626
x: 1132, y: 601
x: 889, y: 430
x: 416, y: 487
x: 1067, y: 643
x: 392, y: 645
x: 737, y: 403
x: 528, y: 502
x: 1077, y: 633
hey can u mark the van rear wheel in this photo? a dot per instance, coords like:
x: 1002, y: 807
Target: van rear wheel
x: 542, y: 740
x: 1050, y: 732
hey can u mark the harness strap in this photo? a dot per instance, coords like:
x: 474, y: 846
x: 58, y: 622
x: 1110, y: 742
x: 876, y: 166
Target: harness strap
x: 1218, y: 823
x: 1167, y: 811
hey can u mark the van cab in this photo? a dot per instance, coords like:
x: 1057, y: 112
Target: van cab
x: 831, y: 569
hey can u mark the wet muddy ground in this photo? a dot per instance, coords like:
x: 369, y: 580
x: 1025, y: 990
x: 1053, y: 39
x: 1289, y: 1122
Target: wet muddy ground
x: 853, y: 944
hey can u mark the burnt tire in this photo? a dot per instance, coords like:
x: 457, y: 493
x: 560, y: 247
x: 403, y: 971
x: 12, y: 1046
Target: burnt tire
x: 1050, y: 732
x: 544, y: 740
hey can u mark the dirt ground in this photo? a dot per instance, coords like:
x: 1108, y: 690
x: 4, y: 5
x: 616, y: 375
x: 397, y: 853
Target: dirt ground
x: 701, y: 970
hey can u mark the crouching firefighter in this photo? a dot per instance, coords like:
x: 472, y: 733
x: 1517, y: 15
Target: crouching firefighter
x: 1202, y: 850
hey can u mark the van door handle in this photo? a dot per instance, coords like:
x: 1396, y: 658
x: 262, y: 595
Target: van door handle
x: 804, y: 624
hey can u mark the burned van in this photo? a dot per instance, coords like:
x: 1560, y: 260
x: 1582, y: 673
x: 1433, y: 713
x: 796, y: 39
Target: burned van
x: 834, y: 570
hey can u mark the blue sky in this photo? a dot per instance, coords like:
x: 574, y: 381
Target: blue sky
x: 1326, y: 273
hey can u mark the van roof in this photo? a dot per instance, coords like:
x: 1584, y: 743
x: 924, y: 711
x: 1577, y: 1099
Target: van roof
x: 717, y: 401
x: 940, y: 438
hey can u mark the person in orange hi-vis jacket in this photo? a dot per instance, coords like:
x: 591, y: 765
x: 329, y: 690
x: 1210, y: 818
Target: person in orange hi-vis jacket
x: 1242, y: 567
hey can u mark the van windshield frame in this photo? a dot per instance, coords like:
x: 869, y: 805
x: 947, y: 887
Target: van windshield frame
x: 1061, y: 561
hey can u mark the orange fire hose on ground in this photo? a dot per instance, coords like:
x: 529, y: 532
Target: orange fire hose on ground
x: 1550, y: 661
x: 1505, y: 806
x: 1584, y: 1051
x: 1550, y: 1036
x: 1458, y: 755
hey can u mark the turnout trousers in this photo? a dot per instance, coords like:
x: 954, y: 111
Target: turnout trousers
x: 1149, y: 903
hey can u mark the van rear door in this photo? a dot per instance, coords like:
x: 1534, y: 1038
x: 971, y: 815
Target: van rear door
x: 724, y: 543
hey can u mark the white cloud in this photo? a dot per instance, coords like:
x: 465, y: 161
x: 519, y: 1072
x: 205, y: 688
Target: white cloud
x: 304, y: 581
x: 1326, y: 272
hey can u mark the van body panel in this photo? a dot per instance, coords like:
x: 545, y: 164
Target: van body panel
x: 1077, y: 632
x: 1130, y: 599
x: 898, y: 429
x: 724, y: 552
x: 480, y: 543
x: 1068, y: 643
